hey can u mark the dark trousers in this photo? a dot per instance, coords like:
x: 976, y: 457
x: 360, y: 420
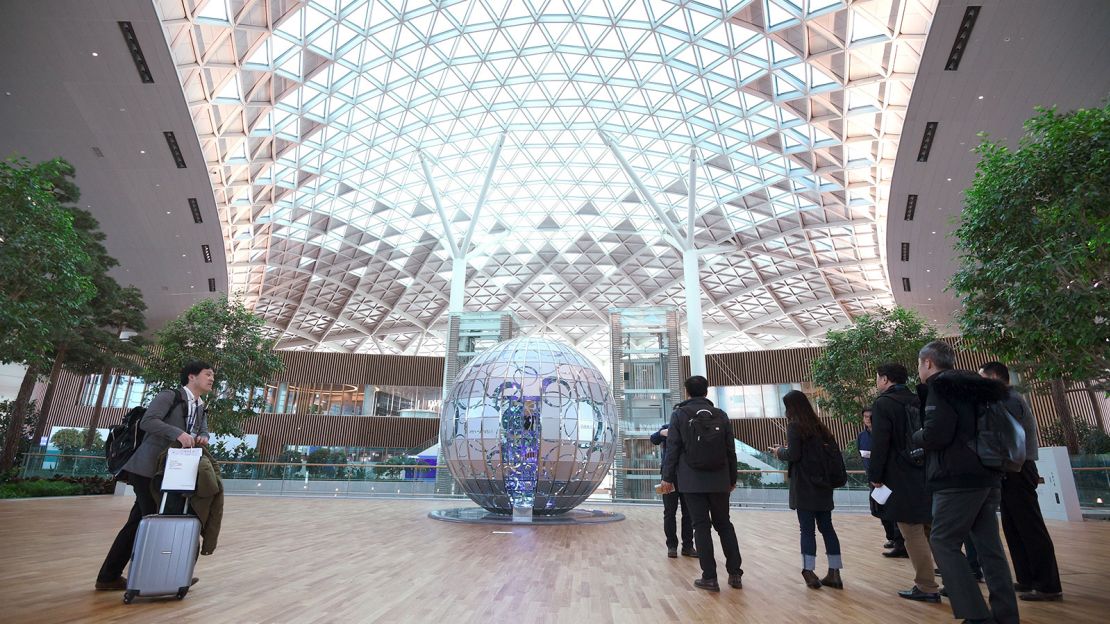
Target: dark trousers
x: 671, y: 503
x: 120, y: 552
x: 1030, y: 544
x: 892, y: 533
x: 712, y: 508
x: 822, y: 521
x: 957, y: 514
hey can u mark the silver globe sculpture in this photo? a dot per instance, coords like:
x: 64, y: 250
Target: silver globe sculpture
x: 530, y: 423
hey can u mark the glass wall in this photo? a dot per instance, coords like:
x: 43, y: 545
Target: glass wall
x: 351, y: 400
x: 763, y: 401
x: 123, y: 391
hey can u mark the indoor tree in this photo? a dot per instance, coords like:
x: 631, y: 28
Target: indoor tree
x: 845, y: 370
x: 228, y: 336
x: 44, y: 281
x: 1034, y: 247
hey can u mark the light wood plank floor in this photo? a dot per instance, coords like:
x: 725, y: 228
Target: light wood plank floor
x: 343, y: 560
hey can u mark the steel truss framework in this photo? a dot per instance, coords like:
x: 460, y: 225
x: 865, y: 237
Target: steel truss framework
x: 314, y: 116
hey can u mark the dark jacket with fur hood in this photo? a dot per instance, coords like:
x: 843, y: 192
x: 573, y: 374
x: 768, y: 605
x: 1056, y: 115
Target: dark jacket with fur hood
x: 948, y: 413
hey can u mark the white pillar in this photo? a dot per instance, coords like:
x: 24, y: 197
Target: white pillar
x: 693, y: 312
x: 458, y: 285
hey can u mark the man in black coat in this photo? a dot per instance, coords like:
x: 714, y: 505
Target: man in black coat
x: 966, y: 493
x: 707, y: 490
x: 671, y: 503
x: 893, y: 464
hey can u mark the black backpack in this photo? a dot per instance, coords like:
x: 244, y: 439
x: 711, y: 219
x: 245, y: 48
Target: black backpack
x: 706, y: 439
x: 827, y: 466
x: 999, y: 438
x: 124, y: 439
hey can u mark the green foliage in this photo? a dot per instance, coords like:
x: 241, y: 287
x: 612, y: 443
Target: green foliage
x: 748, y: 479
x: 43, y: 281
x: 845, y: 371
x: 394, y: 467
x: 229, y: 337
x: 35, y: 488
x: 1092, y: 440
x: 1034, y: 246
x: 72, y: 442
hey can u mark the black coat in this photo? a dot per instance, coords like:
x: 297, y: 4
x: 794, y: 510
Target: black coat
x: 804, y: 457
x: 675, y: 468
x: 890, y: 463
x: 949, y: 403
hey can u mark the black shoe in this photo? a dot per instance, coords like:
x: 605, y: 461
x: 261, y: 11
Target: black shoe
x: 811, y: 579
x: 1040, y: 596
x: 689, y: 552
x: 117, y: 584
x: 897, y: 553
x: 193, y: 582
x: 936, y: 571
x: 672, y: 553
x: 734, y: 581
x: 987, y: 621
x: 833, y: 580
x: 917, y: 594
x: 1022, y: 588
x: 889, y: 544
x: 707, y: 584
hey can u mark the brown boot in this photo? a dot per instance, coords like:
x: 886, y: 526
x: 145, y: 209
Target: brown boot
x: 811, y: 579
x: 832, y: 579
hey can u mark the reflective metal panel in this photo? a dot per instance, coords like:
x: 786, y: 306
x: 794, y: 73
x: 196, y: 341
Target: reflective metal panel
x: 529, y: 423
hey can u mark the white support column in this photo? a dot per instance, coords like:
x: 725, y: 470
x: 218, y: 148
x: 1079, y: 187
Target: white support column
x: 465, y: 246
x: 458, y: 285
x: 694, y: 330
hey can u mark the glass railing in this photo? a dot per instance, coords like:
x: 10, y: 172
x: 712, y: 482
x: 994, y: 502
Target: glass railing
x: 755, y: 488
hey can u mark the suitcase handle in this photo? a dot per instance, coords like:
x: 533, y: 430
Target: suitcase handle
x: 162, y: 507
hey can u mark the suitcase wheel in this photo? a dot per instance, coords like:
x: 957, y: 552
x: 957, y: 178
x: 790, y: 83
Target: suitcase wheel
x: 129, y: 595
x: 181, y: 593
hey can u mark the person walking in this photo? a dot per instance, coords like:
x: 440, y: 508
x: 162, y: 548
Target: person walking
x: 701, y: 460
x: 1031, y: 549
x: 864, y: 444
x: 810, y: 494
x: 966, y: 493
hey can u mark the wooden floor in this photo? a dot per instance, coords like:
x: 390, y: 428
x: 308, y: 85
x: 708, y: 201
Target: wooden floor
x: 344, y: 560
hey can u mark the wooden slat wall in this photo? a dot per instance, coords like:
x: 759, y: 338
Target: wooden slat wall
x: 308, y: 369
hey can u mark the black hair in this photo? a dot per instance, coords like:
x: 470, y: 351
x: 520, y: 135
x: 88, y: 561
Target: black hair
x: 941, y: 354
x: 697, y: 386
x: 893, y: 371
x: 192, y: 367
x: 800, y: 411
x: 997, y: 370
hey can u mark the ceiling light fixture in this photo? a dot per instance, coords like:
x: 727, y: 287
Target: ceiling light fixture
x: 96, y: 54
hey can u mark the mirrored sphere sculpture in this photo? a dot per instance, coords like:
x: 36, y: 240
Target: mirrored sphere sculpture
x: 529, y: 423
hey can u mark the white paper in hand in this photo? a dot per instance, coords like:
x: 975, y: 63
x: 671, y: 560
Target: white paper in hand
x: 865, y: 454
x: 881, y: 494
x: 181, y: 470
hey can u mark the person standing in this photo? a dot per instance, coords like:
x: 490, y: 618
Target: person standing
x: 176, y: 415
x: 701, y: 460
x: 864, y: 443
x: 1031, y: 549
x: 810, y: 495
x: 966, y: 493
x: 671, y: 503
x: 900, y: 467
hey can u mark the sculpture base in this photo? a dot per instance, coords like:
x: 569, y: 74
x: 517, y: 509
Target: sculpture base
x: 477, y: 515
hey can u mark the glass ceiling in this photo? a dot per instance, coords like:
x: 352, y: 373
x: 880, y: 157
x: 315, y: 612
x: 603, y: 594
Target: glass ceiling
x: 313, y: 115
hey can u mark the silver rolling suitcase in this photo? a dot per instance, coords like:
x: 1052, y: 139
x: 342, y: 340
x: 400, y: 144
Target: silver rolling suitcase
x: 164, y: 555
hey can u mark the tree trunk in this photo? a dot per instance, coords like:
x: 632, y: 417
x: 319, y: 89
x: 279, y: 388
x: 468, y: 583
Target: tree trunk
x: 19, y: 415
x: 48, y: 398
x: 1063, y: 412
x: 105, y: 378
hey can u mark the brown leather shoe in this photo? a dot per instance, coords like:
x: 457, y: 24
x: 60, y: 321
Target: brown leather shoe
x: 117, y: 584
x: 811, y: 579
x: 735, y: 581
x: 707, y: 584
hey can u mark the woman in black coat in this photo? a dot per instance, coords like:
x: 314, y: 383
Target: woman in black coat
x: 805, y: 436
